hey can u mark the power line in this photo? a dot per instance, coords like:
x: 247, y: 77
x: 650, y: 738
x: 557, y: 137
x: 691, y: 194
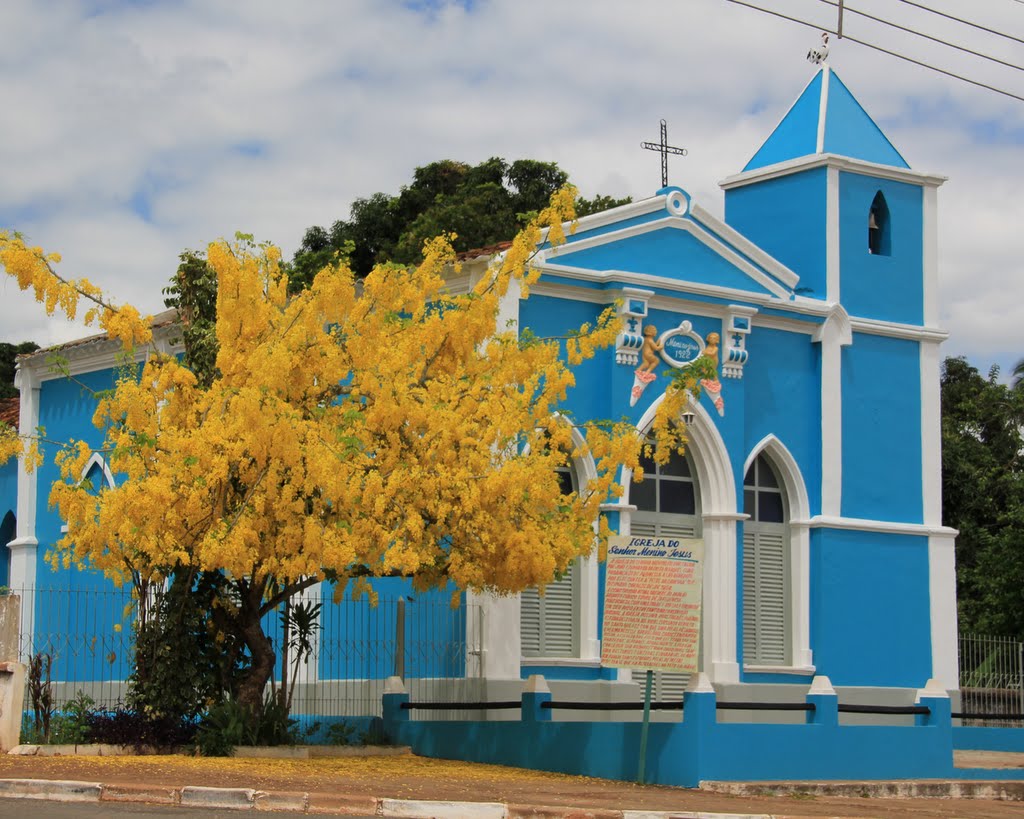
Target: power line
x: 846, y: 8
x: 965, y: 22
x: 879, y: 48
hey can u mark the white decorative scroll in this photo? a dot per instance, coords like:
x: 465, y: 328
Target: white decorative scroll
x: 630, y: 341
x: 737, y: 328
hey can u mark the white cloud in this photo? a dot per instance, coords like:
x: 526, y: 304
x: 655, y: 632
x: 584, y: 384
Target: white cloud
x: 210, y: 117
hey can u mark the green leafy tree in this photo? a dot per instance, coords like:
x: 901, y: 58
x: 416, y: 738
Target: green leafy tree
x: 8, y: 362
x: 482, y: 204
x: 193, y: 293
x: 983, y: 495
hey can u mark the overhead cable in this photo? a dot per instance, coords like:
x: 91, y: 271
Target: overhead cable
x: 846, y: 8
x: 965, y: 22
x: 879, y: 48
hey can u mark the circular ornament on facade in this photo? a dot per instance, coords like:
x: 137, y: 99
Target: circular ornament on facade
x: 677, y: 203
x: 682, y: 346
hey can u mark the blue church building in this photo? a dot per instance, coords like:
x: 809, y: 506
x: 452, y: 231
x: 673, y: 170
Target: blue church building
x: 813, y: 472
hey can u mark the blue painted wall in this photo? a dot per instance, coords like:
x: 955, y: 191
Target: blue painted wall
x: 783, y: 397
x: 81, y: 617
x: 669, y: 252
x: 786, y: 217
x: 699, y: 748
x: 870, y: 621
x: 66, y: 410
x: 882, y: 429
x: 874, y: 286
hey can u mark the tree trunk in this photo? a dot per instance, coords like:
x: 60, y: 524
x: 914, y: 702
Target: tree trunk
x: 261, y: 651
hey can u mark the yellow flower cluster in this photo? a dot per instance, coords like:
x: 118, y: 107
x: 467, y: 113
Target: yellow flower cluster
x: 351, y: 432
x: 32, y: 268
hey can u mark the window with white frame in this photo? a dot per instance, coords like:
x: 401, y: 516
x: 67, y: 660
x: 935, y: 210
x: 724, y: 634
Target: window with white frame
x: 549, y: 622
x: 766, y: 626
x: 8, y: 532
x: 667, y: 505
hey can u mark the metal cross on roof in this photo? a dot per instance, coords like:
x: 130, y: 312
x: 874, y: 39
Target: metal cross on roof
x: 664, y: 149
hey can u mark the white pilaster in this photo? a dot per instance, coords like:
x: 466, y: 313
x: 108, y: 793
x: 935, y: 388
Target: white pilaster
x: 931, y: 435
x: 493, y: 636
x: 718, y: 628
x: 25, y: 547
x: 942, y: 602
x: 587, y: 607
x: 832, y: 277
x: 508, y: 309
x: 833, y: 335
x: 930, y: 255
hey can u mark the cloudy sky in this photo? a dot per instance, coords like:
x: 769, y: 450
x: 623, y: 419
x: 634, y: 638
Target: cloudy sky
x: 137, y: 128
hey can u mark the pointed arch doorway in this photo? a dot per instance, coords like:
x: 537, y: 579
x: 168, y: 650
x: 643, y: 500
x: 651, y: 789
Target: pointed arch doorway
x: 694, y: 496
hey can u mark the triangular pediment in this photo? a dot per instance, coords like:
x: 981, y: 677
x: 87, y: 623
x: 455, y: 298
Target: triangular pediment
x: 676, y: 241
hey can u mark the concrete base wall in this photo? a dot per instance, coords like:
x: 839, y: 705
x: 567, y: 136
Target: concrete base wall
x: 12, y: 702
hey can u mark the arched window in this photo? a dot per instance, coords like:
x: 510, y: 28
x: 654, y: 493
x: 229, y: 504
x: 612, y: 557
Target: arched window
x: 549, y: 623
x: 8, y: 531
x: 766, y: 614
x: 667, y: 503
x: 97, y: 475
x: 879, y: 229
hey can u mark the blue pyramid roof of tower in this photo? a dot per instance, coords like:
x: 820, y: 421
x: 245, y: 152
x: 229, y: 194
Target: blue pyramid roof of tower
x: 826, y: 119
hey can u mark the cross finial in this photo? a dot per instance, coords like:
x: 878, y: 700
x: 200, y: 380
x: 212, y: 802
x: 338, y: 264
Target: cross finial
x: 664, y: 149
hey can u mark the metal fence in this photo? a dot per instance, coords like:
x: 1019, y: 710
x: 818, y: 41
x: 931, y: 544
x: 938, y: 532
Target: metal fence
x: 991, y: 678
x: 86, y: 641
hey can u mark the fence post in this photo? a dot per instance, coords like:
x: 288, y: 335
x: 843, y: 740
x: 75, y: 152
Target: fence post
x: 400, y: 639
x: 394, y: 695
x: 823, y: 697
x: 12, y: 673
x: 535, y: 692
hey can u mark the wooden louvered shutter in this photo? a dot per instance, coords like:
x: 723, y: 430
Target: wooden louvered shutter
x: 548, y: 623
x: 667, y: 685
x: 764, y: 595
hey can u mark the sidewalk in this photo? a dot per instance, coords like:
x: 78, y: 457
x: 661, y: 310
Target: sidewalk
x: 410, y: 786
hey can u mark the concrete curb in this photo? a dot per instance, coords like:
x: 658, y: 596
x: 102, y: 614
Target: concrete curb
x: 197, y: 797
x: 422, y: 808
x: 313, y: 803
x: 320, y: 803
x: 1002, y: 790
x: 56, y: 790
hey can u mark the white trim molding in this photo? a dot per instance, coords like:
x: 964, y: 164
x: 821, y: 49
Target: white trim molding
x: 834, y: 334
x: 745, y: 246
x: 884, y: 526
x: 842, y: 163
x: 931, y: 435
x: 788, y: 471
x: 832, y: 255
x: 819, y: 142
x: 97, y: 460
x: 930, y: 255
x: 942, y: 603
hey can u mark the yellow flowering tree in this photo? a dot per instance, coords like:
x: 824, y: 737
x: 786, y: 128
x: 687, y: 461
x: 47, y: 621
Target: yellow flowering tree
x: 349, y: 431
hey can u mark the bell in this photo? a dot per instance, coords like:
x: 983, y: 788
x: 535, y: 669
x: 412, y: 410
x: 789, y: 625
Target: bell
x: 872, y: 222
